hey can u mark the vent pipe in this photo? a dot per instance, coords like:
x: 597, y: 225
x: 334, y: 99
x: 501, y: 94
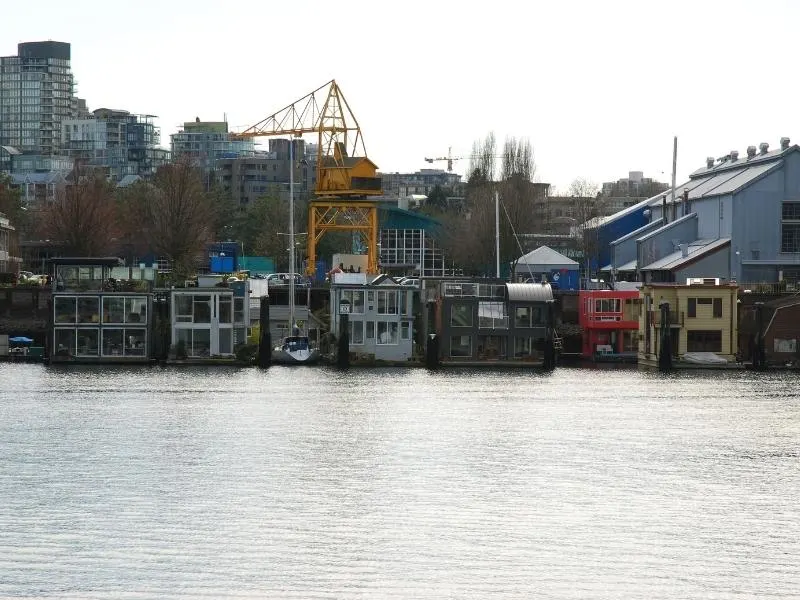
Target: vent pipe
x: 784, y: 143
x: 751, y: 151
x: 710, y: 162
x: 763, y: 147
x: 734, y: 155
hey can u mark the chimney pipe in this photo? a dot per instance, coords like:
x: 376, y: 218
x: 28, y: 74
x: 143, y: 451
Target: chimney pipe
x: 710, y: 162
x: 734, y: 155
x: 751, y: 151
x: 664, y: 209
x: 763, y: 147
x: 784, y: 143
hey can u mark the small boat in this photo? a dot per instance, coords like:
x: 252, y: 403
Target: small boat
x: 295, y: 350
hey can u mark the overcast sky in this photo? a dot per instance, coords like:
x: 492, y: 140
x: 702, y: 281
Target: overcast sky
x: 598, y: 87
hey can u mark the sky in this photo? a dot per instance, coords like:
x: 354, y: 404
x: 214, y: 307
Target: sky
x: 598, y: 88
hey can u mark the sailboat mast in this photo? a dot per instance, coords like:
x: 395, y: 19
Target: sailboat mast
x: 291, y: 236
x: 497, y: 230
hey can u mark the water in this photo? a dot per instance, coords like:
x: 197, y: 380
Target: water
x: 308, y: 483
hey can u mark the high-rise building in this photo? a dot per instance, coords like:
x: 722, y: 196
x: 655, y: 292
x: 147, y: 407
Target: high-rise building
x: 37, y: 93
x: 121, y: 143
x: 206, y: 142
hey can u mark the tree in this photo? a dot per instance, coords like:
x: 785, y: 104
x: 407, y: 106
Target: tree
x: 82, y: 216
x: 173, y: 215
x: 586, y: 206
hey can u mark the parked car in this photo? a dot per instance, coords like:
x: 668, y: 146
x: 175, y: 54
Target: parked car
x: 278, y: 279
x: 410, y: 281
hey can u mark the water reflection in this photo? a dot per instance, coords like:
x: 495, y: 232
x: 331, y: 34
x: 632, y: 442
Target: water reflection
x: 300, y: 482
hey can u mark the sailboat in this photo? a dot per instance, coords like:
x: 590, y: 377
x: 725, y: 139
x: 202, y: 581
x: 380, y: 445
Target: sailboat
x: 294, y: 349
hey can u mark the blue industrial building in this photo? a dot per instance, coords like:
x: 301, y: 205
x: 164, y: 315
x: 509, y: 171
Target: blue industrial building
x: 736, y: 219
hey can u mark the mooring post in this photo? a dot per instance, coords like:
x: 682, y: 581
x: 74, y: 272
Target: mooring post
x: 264, y: 335
x: 665, y: 347
x: 343, y: 348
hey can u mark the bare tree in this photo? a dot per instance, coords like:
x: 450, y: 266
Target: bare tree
x: 173, y: 215
x: 82, y: 216
x: 586, y: 207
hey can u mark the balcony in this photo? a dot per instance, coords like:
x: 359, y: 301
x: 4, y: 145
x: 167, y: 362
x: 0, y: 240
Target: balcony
x: 676, y: 318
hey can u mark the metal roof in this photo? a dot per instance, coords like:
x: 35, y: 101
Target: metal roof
x: 695, y: 250
x: 546, y: 256
x: 529, y: 292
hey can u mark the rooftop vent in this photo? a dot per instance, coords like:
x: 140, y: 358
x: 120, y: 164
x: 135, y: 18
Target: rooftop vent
x: 763, y: 147
x: 710, y: 162
x: 734, y: 155
x: 751, y: 151
x: 784, y: 143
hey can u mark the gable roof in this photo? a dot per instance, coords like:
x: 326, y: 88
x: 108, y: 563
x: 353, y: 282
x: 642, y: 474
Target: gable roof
x: 695, y: 250
x: 544, y: 255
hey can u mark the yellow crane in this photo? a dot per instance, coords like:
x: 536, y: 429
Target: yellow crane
x: 346, y: 177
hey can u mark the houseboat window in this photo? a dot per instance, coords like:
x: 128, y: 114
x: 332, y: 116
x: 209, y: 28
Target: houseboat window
x: 717, y: 308
x: 88, y: 309
x: 522, y: 347
x: 88, y: 342
x: 184, y: 337
x: 226, y: 341
x: 112, y: 342
x: 356, y: 299
x: 225, y: 313
x: 691, y: 307
x: 522, y: 317
x: 461, y: 315
x: 370, y: 298
x: 183, y: 308
x: 356, y: 333
x: 461, y: 346
x: 387, y: 332
x: 492, y: 315
x: 65, y: 342
x: 405, y: 330
x: 703, y: 341
x: 606, y: 305
x: 387, y: 303
x: 630, y: 340
x: 201, y: 342
x: 370, y: 330
x: 403, y: 303
x: 537, y: 316
x: 64, y: 309
x: 238, y: 310
x: 202, y: 309
x: 113, y: 309
x: 705, y: 301
x: 134, y: 342
x: 136, y: 310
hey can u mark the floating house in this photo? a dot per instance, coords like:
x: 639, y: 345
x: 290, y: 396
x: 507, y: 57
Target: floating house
x: 98, y: 317
x: 380, y: 319
x: 483, y: 323
x: 701, y: 319
x: 609, y: 321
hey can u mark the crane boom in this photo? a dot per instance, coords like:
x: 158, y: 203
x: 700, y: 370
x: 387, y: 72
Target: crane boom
x: 345, y: 176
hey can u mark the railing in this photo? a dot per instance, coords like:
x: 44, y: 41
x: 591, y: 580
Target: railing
x: 675, y: 318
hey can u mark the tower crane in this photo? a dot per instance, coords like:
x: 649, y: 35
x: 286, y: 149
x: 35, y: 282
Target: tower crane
x: 449, y: 158
x: 346, y: 178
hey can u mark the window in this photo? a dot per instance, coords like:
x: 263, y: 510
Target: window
x: 88, y: 344
x: 356, y: 299
x: 356, y: 333
x: 238, y: 310
x: 387, y: 333
x: 717, y: 308
x: 523, y: 347
x: 606, y: 305
x: 225, y: 314
x: 113, y: 310
x: 461, y: 315
x: 136, y: 310
x: 387, y: 303
x: 112, y: 342
x: 183, y: 308
x: 64, y: 309
x: 703, y: 341
x: 65, y: 342
x: 691, y: 308
x: 461, y: 346
x: 201, y: 306
x: 790, y: 227
x: 522, y: 316
x: 89, y: 309
x: 492, y: 315
x: 405, y: 330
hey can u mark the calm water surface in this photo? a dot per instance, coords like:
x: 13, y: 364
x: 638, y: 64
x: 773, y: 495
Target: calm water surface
x: 309, y: 483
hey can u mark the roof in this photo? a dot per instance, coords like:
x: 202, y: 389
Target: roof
x: 695, y: 250
x: 11, y: 150
x: 128, y: 180
x: 45, y: 177
x: 545, y: 255
x: 529, y: 292
x: 83, y: 261
x: 628, y: 266
x: 639, y: 232
x: 727, y: 164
